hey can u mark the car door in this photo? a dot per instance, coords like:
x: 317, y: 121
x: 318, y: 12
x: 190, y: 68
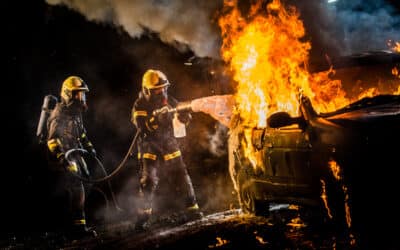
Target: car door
x: 287, y: 156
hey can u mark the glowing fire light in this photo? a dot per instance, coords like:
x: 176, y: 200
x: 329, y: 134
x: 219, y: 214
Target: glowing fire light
x: 337, y: 174
x: 335, y: 169
x: 220, y: 243
x: 268, y: 56
x: 324, y: 198
x: 395, y: 46
x: 395, y: 72
x: 268, y: 59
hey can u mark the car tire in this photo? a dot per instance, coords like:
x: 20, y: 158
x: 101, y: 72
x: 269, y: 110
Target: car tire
x: 247, y: 195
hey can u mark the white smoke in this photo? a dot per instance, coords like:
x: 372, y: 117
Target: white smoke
x: 184, y: 24
x: 217, y: 140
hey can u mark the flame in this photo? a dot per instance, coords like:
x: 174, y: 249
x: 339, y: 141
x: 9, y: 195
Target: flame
x: 334, y: 167
x: 296, y: 223
x: 268, y: 55
x: 249, y: 148
x: 220, y: 242
x: 397, y: 47
x: 394, y: 46
x: 324, y: 198
x: 347, y: 206
x: 261, y: 240
x: 337, y: 174
x: 267, y: 58
x: 395, y: 72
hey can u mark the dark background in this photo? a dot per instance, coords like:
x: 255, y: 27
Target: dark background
x: 49, y: 43
x: 42, y: 45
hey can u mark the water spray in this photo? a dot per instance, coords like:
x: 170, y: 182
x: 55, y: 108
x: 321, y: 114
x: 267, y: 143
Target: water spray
x: 218, y: 107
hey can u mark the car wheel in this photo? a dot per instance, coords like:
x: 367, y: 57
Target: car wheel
x: 246, y: 200
x: 247, y: 196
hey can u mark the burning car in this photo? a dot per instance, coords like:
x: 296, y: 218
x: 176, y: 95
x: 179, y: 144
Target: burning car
x: 317, y: 159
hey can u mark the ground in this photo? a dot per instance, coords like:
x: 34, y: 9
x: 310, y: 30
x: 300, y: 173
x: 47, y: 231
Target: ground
x: 285, y: 228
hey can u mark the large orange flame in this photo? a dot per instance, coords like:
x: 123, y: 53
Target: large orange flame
x: 268, y: 56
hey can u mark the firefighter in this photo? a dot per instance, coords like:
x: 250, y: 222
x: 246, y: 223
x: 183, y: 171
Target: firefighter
x: 157, y: 145
x: 65, y: 132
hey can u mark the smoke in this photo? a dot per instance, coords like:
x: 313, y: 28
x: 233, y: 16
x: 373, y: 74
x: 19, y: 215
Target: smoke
x: 217, y: 140
x: 367, y: 25
x: 334, y: 27
x: 348, y: 27
x: 183, y: 24
x: 217, y: 193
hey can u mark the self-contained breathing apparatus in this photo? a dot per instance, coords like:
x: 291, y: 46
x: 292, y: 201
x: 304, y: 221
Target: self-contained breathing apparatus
x: 49, y: 103
x: 75, y: 155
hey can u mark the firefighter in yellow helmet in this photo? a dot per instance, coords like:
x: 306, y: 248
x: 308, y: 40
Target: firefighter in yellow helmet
x: 65, y: 132
x: 157, y: 144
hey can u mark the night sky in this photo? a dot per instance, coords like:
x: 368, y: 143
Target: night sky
x: 45, y: 43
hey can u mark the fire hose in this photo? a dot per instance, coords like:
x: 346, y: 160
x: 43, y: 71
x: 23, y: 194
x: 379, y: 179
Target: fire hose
x: 106, y: 177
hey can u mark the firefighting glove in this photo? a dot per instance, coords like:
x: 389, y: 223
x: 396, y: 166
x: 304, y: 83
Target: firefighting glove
x: 92, y: 152
x: 152, y: 123
x: 163, y: 116
x: 184, y: 117
x: 61, y: 158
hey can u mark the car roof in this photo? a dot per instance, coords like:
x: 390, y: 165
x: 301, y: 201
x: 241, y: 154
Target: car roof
x: 354, y: 60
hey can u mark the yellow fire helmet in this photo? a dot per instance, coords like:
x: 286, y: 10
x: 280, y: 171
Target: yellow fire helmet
x: 71, y: 84
x: 153, y: 79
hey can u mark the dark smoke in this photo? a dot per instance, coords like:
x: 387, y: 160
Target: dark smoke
x: 334, y: 27
x: 347, y: 27
x: 367, y: 25
x: 182, y: 24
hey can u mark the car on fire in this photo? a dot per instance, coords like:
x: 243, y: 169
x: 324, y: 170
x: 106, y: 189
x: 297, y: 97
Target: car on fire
x: 336, y: 161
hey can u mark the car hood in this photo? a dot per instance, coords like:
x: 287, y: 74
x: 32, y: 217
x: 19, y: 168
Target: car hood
x: 368, y: 109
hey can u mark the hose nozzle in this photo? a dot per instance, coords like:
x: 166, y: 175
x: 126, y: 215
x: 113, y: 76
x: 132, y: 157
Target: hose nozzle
x: 180, y: 107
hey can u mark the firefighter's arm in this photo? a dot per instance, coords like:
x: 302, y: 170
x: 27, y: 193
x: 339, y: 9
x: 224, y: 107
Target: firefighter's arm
x: 55, y: 146
x: 87, y: 144
x: 184, y: 117
x: 54, y: 142
x: 163, y: 116
x: 143, y: 121
x: 182, y: 109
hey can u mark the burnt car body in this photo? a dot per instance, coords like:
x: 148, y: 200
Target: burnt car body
x: 333, y: 160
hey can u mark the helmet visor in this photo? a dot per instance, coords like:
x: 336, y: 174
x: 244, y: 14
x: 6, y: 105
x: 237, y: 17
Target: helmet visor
x: 159, y: 91
x: 79, y: 96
